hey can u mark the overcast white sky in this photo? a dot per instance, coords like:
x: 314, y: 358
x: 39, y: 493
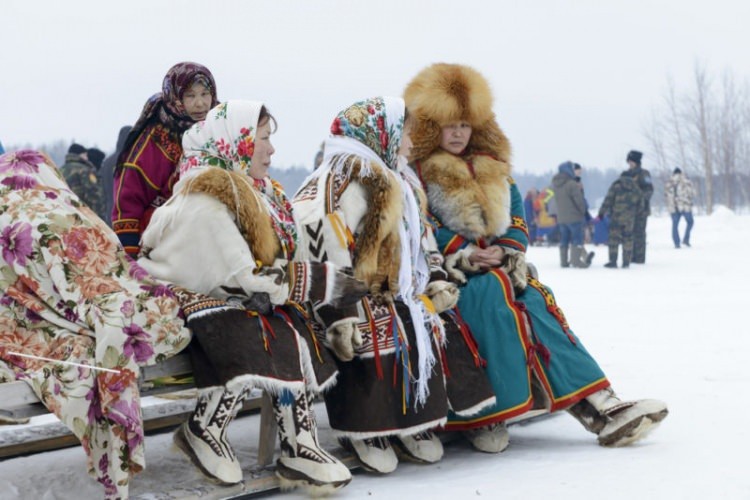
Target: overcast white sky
x: 572, y: 79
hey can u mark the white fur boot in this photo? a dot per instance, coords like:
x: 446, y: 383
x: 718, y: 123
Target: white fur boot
x: 303, y: 463
x: 616, y: 422
x: 422, y: 447
x: 375, y: 454
x: 203, y: 438
x: 493, y: 438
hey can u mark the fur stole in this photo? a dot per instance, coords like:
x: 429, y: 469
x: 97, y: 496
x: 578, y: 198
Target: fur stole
x: 474, y: 204
x: 377, y: 257
x: 236, y: 191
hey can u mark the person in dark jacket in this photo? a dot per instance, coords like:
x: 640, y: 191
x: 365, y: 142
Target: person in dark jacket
x: 622, y: 203
x: 80, y: 174
x: 107, y: 173
x: 532, y: 213
x: 571, y: 217
x: 643, y: 179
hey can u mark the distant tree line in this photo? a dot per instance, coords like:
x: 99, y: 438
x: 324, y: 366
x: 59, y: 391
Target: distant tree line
x: 704, y: 129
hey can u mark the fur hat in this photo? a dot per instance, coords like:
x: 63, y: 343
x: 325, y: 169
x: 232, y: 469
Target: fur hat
x: 96, y: 157
x: 447, y: 93
x: 634, y: 156
x: 76, y: 149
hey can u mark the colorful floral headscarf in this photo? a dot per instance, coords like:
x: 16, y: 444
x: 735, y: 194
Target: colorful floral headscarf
x: 225, y: 139
x: 162, y: 106
x: 378, y: 123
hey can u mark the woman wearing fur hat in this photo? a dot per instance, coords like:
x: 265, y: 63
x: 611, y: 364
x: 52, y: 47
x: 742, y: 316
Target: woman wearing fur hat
x: 229, y: 232
x: 534, y: 358
x: 147, y: 166
x: 360, y: 209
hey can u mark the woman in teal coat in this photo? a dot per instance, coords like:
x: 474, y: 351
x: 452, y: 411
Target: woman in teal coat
x: 533, y: 357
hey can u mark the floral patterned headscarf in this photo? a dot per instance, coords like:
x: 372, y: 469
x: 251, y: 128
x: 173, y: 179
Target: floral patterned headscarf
x: 162, y: 106
x: 225, y: 139
x: 378, y: 123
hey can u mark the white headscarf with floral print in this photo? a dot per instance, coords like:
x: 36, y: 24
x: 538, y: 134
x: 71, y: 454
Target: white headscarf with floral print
x: 224, y: 139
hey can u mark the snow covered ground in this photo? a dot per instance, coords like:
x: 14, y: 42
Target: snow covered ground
x: 674, y: 329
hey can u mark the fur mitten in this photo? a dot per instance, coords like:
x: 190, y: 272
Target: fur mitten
x: 259, y: 302
x: 514, y: 263
x: 343, y: 337
x: 443, y: 294
x: 458, y: 264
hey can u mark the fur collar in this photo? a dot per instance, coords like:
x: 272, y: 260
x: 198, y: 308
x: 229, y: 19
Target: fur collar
x: 474, y: 204
x: 378, y: 247
x: 252, y: 218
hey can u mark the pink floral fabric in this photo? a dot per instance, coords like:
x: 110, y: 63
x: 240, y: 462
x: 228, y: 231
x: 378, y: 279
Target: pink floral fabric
x: 69, y: 293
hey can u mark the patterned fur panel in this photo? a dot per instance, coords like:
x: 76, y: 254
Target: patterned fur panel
x: 377, y: 242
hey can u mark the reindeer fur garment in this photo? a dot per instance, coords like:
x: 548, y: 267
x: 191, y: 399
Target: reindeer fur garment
x: 235, y: 191
x: 377, y: 246
x: 475, y: 206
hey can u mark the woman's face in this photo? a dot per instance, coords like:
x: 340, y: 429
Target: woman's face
x: 406, y: 144
x: 196, y: 101
x: 263, y: 150
x: 455, y: 137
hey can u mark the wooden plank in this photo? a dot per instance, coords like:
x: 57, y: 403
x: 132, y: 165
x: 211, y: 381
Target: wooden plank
x: 267, y: 432
x: 171, y: 367
x: 159, y: 423
x: 16, y: 394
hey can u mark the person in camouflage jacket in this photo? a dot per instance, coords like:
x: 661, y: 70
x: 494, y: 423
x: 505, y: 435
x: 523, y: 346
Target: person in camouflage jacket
x: 622, y: 204
x: 80, y: 174
x: 680, y: 192
x: 643, y: 179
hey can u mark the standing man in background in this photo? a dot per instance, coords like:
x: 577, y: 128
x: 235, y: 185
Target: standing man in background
x: 80, y: 174
x: 571, y: 217
x: 680, y: 193
x: 642, y: 177
x: 107, y: 173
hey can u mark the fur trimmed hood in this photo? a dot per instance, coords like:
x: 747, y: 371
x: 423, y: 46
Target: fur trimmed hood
x: 447, y: 93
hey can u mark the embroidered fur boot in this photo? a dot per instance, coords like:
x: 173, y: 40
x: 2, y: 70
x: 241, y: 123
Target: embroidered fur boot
x: 375, y: 454
x: 493, y: 438
x: 203, y: 438
x: 423, y: 447
x: 616, y: 422
x: 303, y: 463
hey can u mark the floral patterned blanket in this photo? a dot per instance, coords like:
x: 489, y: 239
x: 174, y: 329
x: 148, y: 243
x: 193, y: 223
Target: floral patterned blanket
x: 70, y: 294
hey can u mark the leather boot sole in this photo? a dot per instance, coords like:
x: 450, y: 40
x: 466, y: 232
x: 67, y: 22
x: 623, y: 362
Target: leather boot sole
x: 292, y: 478
x: 634, y: 430
x: 183, y: 445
